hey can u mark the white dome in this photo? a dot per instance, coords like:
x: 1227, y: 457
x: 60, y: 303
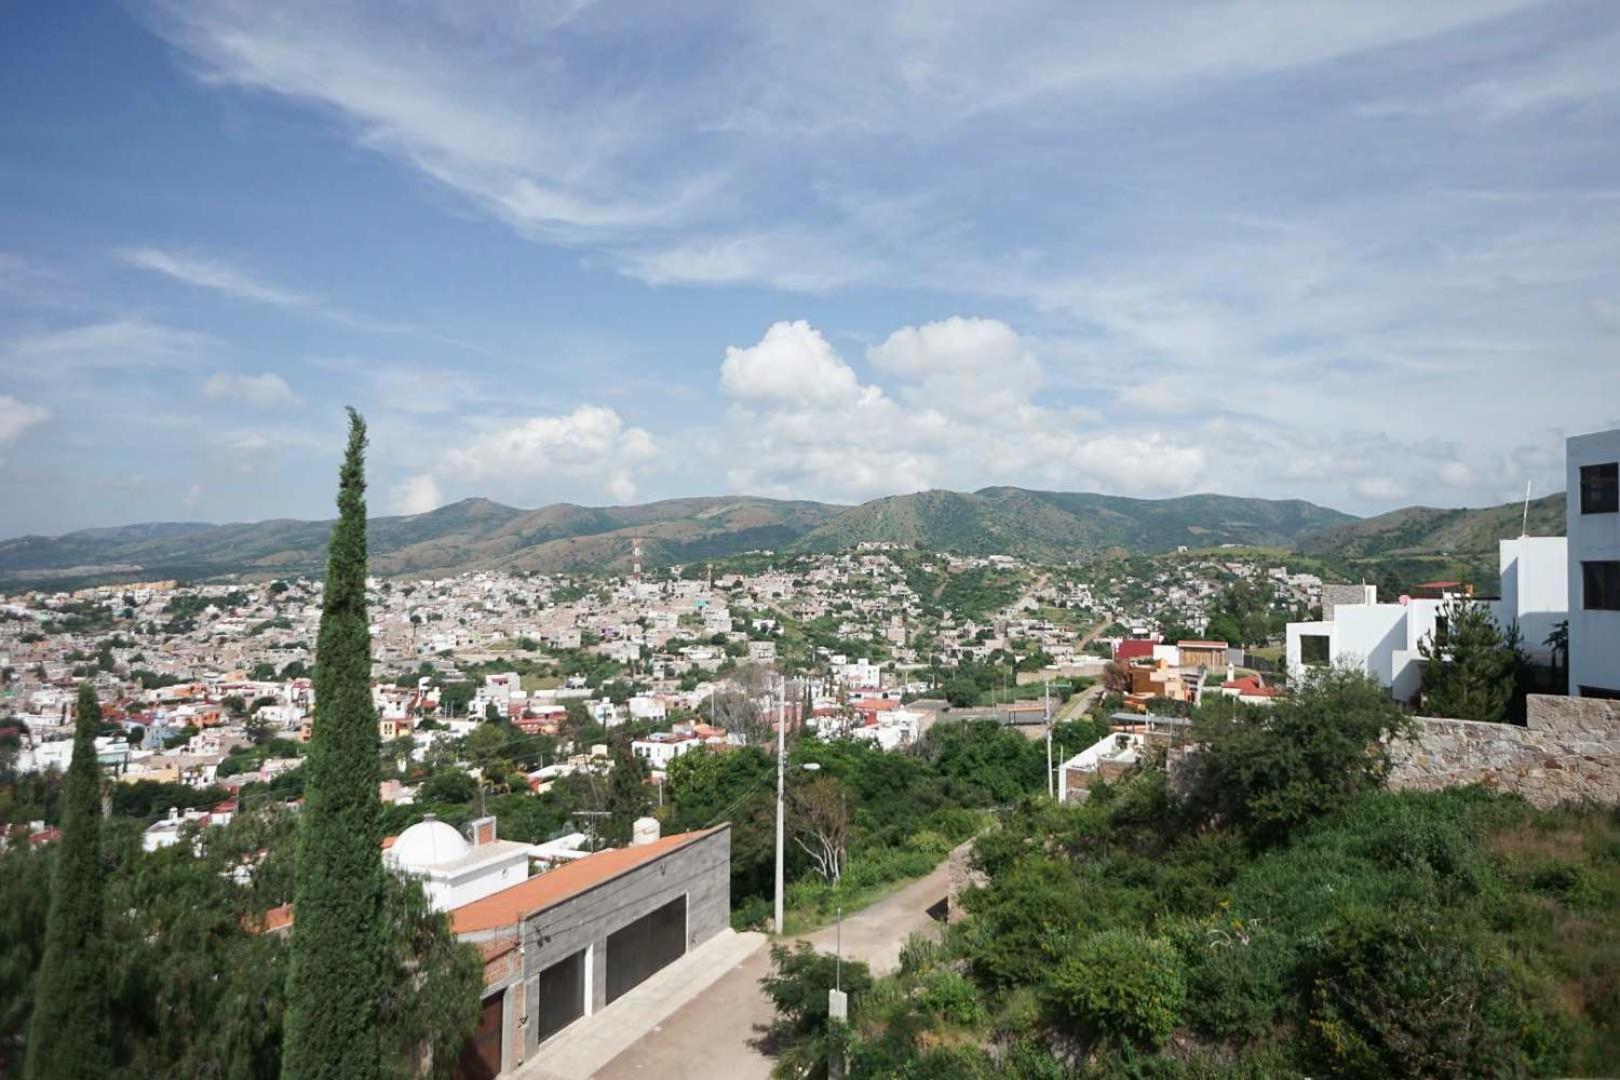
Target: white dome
x: 428, y: 844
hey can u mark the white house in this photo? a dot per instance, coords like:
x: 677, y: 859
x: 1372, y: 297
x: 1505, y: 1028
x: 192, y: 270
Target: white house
x: 663, y: 747
x: 1380, y: 639
x: 646, y: 707
x: 1592, y: 522
x: 454, y: 871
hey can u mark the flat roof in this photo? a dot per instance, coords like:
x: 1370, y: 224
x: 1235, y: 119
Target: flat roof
x: 512, y: 905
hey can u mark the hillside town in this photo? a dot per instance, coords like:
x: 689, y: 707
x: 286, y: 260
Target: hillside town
x: 192, y: 672
x: 550, y: 540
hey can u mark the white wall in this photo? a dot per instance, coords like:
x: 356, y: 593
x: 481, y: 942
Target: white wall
x: 1594, y: 636
x: 1535, y: 588
x: 1379, y: 639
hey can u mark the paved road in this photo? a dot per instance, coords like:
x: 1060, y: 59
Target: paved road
x: 715, y: 1035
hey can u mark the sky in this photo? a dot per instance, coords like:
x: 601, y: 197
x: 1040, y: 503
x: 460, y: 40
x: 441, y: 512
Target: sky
x: 1361, y: 252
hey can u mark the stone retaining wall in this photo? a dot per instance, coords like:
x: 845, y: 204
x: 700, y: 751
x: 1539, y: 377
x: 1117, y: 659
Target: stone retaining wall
x: 1568, y: 750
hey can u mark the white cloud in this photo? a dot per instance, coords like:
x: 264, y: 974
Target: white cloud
x: 791, y: 363
x: 119, y: 344
x: 590, y: 451
x: 960, y: 413
x: 418, y: 494
x: 975, y: 367
x: 16, y: 417
x: 206, y: 273
x: 1378, y: 488
x: 265, y: 391
x: 1455, y: 473
x: 1161, y: 395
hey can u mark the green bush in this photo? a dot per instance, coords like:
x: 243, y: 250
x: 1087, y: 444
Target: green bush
x: 919, y: 953
x: 1397, y: 994
x: 951, y: 997
x: 799, y: 980
x: 1121, y: 985
x: 1236, y: 974
x: 752, y: 914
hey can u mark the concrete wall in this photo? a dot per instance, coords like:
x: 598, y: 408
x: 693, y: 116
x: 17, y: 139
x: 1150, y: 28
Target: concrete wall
x: 1535, y: 588
x: 1594, y: 636
x: 1568, y: 750
x: 701, y: 870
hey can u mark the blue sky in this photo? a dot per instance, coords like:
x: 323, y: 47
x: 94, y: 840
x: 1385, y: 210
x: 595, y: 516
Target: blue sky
x: 1363, y: 253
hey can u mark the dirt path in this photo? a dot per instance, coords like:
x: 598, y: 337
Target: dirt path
x: 715, y: 1035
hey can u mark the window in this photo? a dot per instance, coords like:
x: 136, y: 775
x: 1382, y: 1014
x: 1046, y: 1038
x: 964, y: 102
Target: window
x: 1600, y: 488
x: 1313, y: 649
x: 1602, y: 585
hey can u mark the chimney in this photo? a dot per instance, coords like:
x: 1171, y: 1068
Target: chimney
x: 643, y: 832
x: 483, y: 831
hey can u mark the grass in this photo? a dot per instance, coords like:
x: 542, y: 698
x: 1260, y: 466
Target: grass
x: 810, y: 917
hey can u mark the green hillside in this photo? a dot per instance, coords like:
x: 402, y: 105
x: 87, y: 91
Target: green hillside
x: 1056, y: 525
x: 1423, y: 530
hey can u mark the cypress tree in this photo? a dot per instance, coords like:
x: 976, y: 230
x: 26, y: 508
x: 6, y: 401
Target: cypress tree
x: 335, y: 981
x: 70, y: 1031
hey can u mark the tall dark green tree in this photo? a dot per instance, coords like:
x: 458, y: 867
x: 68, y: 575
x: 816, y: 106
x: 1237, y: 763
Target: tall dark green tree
x: 335, y: 983
x: 70, y: 1031
x: 627, y: 797
x: 1472, y: 666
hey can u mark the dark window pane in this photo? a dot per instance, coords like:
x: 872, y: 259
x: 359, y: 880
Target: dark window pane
x: 1313, y: 649
x: 1602, y: 585
x: 1600, y: 488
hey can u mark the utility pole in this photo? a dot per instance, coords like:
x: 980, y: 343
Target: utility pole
x: 1046, y: 695
x: 781, y: 780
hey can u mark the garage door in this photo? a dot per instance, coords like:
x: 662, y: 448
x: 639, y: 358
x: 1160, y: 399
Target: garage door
x: 561, y: 997
x: 644, y: 946
x: 481, y: 1058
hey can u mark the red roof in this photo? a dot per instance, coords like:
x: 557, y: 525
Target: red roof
x: 1132, y: 648
x: 510, y: 906
x: 1251, y: 686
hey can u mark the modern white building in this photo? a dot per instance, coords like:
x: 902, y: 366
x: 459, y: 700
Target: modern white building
x: 1535, y: 589
x: 453, y: 870
x: 1592, y: 524
x: 1381, y: 639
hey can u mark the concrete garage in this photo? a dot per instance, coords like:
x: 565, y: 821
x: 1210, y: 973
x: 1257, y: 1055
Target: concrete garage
x: 591, y: 930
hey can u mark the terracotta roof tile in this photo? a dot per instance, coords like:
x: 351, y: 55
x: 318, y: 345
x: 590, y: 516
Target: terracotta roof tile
x: 509, y: 906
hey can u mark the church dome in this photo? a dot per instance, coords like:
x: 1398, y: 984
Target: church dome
x: 428, y: 844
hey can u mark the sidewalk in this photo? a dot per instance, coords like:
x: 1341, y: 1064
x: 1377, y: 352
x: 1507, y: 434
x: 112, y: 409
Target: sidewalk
x: 585, y: 1046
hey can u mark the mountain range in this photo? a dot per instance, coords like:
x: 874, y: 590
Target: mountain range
x: 477, y: 534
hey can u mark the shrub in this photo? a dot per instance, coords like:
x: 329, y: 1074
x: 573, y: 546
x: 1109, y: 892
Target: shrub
x: 751, y: 914
x: 1236, y: 975
x: 1121, y: 985
x: 1396, y: 995
x: 799, y: 980
x: 1268, y: 771
x: 1023, y: 920
x: 919, y: 953
x: 951, y: 997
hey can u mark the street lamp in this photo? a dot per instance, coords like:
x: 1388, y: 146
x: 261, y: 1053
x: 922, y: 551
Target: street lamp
x: 781, y: 789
